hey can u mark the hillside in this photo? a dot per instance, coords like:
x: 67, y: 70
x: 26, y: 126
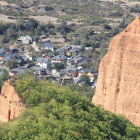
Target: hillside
x: 91, y: 12
x: 89, y: 23
x: 55, y: 112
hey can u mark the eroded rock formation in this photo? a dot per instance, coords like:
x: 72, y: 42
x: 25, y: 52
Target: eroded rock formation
x: 10, y: 104
x: 118, y: 84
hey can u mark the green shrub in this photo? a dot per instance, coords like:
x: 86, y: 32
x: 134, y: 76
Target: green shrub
x: 55, y: 112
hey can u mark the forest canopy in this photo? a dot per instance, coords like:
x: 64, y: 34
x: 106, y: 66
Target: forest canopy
x: 55, y: 112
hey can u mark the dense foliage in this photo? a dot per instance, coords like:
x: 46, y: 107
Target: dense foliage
x: 11, y: 63
x: 58, y: 66
x: 11, y: 31
x: 85, y: 91
x: 55, y: 112
x: 47, y: 8
x: 3, y: 78
x: 81, y: 8
x: 85, y: 78
x: 135, y: 9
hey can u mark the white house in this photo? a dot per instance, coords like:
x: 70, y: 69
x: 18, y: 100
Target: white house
x: 43, y: 62
x: 47, y: 45
x: 59, y: 59
x: 27, y: 39
x: 28, y: 56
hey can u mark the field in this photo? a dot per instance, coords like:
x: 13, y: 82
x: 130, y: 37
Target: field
x: 45, y: 19
x: 41, y: 19
x: 124, y: 2
x: 4, y: 18
x: 5, y: 3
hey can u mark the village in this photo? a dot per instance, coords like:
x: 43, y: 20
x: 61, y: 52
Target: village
x: 64, y: 65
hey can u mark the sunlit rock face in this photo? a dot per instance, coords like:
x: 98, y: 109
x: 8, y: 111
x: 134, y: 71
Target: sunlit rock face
x: 10, y: 103
x: 118, y: 84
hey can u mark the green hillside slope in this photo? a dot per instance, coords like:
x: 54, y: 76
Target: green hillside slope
x: 55, y: 112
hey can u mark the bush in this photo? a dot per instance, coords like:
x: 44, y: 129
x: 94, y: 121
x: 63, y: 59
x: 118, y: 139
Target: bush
x: 85, y: 78
x: 135, y: 9
x: 106, y: 26
x: 5, y: 39
x: 48, y: 8
x: 115, y: 31
x: 103, y: 52
x: 11, y: 63
x: 59, y: 66
x: 3, y: 78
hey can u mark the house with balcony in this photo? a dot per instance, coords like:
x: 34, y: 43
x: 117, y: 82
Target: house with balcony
x: 43, y: 62
x: 59, y: 59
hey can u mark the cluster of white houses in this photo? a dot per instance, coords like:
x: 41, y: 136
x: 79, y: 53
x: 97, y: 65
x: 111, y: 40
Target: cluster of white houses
x: 47, y: 62
x: 44, y: 68
x: 46, y: 44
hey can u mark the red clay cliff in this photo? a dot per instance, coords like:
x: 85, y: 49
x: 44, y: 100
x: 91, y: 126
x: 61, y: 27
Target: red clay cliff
x: 118, y: 84
x: 10, y: 104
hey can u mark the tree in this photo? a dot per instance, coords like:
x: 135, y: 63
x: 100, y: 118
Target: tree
x: 1, y: 30
x: 122, y: 24
x: 30, y: 48
x: 59, y: 66
x: 11, y: 33
x: 85, y: 91
x: 85, y: 43
x: 106, y: 26
x: 5, y: 39
x: 103, y: 52
x: 39, y: 29
x: 85, y: 78
x: 47, y: 8
x: 3, y: 78
x: 36, y: 39
x: 22, y: 48
x: 135, y: 9
x: 50, y: 25
x: 11, y: 63
x: 77, y: 41
x: 55, y: 53
x: 64, y: 114
x: 115, y: 31
x: 63, y: 28
x: 50, y: 78
x: 64, y: 36
x: 33, y: 23
x: 65, y: 53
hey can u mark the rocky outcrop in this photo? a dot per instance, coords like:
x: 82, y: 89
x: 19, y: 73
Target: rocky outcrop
x: 118, y: 84
x: 10, y: 104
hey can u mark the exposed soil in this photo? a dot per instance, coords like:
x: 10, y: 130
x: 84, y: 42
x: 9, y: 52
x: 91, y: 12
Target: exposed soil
x: 5, y: 3
x: 4, y: 18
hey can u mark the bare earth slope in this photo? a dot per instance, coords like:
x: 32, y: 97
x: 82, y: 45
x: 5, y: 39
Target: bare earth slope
x: 10, y: 104
x: 118, y: 85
